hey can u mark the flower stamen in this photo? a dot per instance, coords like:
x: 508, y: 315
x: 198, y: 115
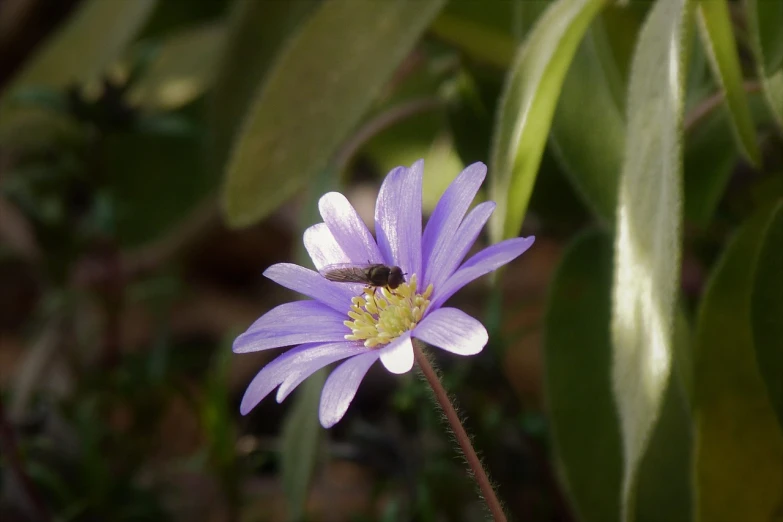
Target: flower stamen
x: 379, y: 317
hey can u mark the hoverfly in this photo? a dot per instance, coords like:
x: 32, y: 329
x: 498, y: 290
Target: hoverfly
x: 371, y: 274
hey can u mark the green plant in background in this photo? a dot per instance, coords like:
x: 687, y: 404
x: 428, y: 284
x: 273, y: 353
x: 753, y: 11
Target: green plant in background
x: 639, y: 141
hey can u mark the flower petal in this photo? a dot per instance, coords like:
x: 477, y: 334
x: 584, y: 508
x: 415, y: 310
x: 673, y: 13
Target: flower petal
x: 340, y: 388
x: 348, y: 229
x: 397, y: 356
x: 398, y: 218
x: 452, y: 330
x: 312, y: 284
x: 445, y: 261
x: 269, y: 378
x: 312, y: 360
x: 322, y: 247
x: 447, y: 216
x: 489, y: 259
x: 293, y: 323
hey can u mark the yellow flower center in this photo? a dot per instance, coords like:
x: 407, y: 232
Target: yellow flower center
x: 380, y: 315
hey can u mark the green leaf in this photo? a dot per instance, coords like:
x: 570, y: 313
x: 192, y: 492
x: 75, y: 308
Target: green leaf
x: 770, y: 37
x: 577, y: 349
x: 736, y: 431
x: 589, y: 138
x: 767, y: 311
x: 80, y: 51
x: 300, y: 437
x: 764, y: 22
x: 318, y: 90
x: 182, y: 70
x: 665, y: 492
x: 257, y: 31
x: 585, y: 423
x: 711, y: 153
x: 718, y: 38
x: 528, y: 105
x: 648, y: 241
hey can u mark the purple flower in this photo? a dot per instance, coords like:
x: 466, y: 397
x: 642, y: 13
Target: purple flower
x: 346, y: 321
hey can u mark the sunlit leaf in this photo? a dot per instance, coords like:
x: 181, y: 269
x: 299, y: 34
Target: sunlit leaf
x: 527, y: 106
x: 647, y: 245
x: 585, y: 424
x: 577, y: 347
x: 664, y: 491
x: 317, y: 91
x: 88, y: 42
x: 256, y: 33
x: 718, y: 38
x: 182, y: 70
x: 767, y: 311
x: 736, y: 430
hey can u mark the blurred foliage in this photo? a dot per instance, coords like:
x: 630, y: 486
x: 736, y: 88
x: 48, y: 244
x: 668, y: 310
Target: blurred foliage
x: 634, y: 366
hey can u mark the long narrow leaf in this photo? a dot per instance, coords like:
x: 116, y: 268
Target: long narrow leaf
x: 578, y: 355
x: 647, y: 246
x: 525, y: 115
x: 317, y: 91
x: 718, y: 38
x: 763, y: 16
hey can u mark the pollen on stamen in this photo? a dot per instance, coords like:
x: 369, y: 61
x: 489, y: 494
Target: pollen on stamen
x: 381, y: 315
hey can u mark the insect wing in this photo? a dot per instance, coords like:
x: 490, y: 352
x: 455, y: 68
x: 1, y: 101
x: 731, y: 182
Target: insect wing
x: 346, y: 273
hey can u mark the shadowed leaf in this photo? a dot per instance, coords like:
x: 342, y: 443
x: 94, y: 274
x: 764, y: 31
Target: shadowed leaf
x: 737, y: 433
x: 767, y: 311
x: 319, y: 88
x: 718, y: 38
x: 577, y: 348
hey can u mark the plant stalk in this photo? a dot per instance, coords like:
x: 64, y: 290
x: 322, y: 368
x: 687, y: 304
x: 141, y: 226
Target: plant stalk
x: 479, y: 475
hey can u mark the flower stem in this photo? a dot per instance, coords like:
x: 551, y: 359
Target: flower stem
x: 485, y: 486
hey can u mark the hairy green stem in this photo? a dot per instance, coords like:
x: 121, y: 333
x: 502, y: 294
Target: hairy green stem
x: 479, y: 475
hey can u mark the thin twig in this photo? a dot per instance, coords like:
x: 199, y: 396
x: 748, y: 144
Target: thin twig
x: 703, y: 109
x: 460, y: 434
x: 381, y: 122
x: 9, y: 448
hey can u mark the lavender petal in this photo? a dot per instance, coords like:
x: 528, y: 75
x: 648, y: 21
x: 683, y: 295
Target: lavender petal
x: 397, y: 356
x: 340, y: 388
x: 310, y: 361
x: 452, y: 330
x: 447, y: 216
x: 323, y: 247
x: 398, y: 218
x: 312, y: 284
x: 348, y: 229
x: 269, y: 378
x: 445, y: 261
x: 293, y: 323
x: 489, y: 259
